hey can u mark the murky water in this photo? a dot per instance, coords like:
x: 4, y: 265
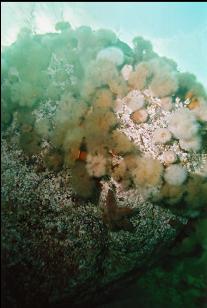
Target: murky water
x: 104, y: 154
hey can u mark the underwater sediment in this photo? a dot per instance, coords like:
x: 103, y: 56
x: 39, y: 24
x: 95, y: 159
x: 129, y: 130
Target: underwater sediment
x: 104, y: 161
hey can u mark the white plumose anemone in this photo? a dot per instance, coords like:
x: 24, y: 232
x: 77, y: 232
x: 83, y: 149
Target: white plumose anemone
x: 162, y: 135
x: 183, y: 124
x: 96, y: 165
x: 193, y: 144
x: 175, y: 175
x: 135, y: 100
x: 169, y: 157
x: 112, y: 54
x: 147, y: 172
x: 126, y: 71
x: 200, y: 111
x: 166, y: 103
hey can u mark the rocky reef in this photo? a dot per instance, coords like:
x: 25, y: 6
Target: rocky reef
x: 104, y: 161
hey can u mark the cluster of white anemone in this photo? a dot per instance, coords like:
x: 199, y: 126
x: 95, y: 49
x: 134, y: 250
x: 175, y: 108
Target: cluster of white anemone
x: 185, y: 127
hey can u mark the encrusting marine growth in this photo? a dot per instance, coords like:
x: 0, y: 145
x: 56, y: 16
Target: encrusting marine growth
x: 84, y: 100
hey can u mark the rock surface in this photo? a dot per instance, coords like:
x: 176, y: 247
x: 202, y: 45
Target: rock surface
x: 56, y: 248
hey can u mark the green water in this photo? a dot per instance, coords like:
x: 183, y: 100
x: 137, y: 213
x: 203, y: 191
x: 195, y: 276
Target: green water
x: 80, y: 83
